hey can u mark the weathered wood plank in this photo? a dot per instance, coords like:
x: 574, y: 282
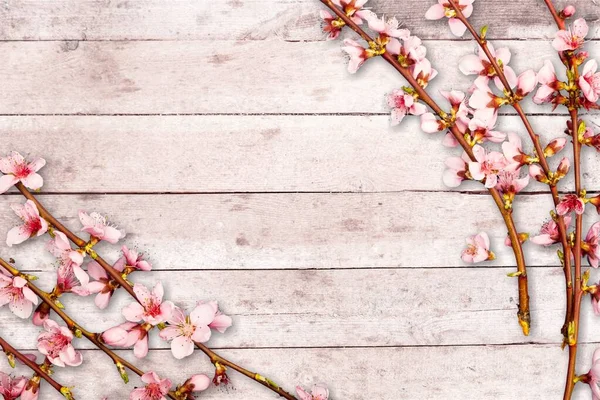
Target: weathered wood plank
x: 248, y: 153
x: 249, y: 19
x: 336, y: 308
x: 499, y: 372
x: 299, y: 230
x: 205, y: 77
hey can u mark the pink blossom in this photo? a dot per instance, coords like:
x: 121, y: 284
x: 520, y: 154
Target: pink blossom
x: 33, y: 224
x: 15, y: 293
x: 103, y: 285
x: 132, y: 260
x: 409, y: 53
x: 423, y: 72
x: 11, y: 388
x: 16, y: 170
x: 155, y: 388
x: 196, y: 383
x: 589, y: 81
x: 40, y: 314
x: 332, y: 26
x: 353, y: 9
x: 590, y: 245
x: 97, y: 226
x: 444, y: 9
x: 482, y: 126
x: 56, y: 345
x: 513, y: 152
x: 318, y: 392
x: 126, y: 335
x: 184, y: 330
x: 549, y: 84
x: 457, y: 170
x: 483, y: 97
x: 572, y: 39
x: 459, y: 109
x: 593, y: 376
x: 555, y: 146
x: 72, y: 278
x: 31, y: 391
x: 487, y: 165
x: 549, y: 234
x: 60, y: 247
x: 510, y: 183
x: 526, y: 83
x: 570, y: 203
x: 478, y: 249
x: 430, y: 123
x: 358, y: 54
x: 386, y: 28
x: 403, y: 104
x: 151, y: 308
x: 480, y: 65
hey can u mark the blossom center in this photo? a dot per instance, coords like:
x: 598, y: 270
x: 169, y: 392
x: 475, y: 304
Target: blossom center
x: 22, y: 171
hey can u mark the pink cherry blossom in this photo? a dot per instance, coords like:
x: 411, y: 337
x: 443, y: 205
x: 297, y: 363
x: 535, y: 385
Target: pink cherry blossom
x: 590, y: 246
x: 513, y: 152
x: 483, y: 97
x: 459, y: 110
x: 332, y: 26
x: 478, y: 249
x: 55, y: 344
x: 510, y: 183
x: 126, y: 335
x: 16, y: 169
x: 353, y: 9
x: 480, y: 65
x: 457, y: 170
x: 430, y: 123
x: 103, y: 285
x: 132, y: 260
x: 409, y: 53
x: 555, y: 146
x: 358, y: 54
x: 318, y: 392
x: 526, y: 83
x: 444, y: 9
x: 72, y: 278
x: 589, y: 81
x: 386, y: 28
x: 487, y: 166
x: 151, y: 309
x: 403, y: 104
x: 155, y: 388
x: 423, y: 72
x: 11, y: 388
x: 97, y: 226
x: 482, y: 126
x: 15, y: 293
x: 60, y: 247
x: 31, y: 391
x: 33, y: 224
x: 593, y: 376
x: 570, y: 203
x: 196, y: 383
x: 572, y: 39
x: 184, y: 330
x: 549, y: 84
x: 549, y: 234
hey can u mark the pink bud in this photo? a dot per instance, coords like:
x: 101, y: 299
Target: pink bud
x: 569, y: 11
x: 196, y: 383
x: 537, y: 173
x: 555, y: 146
x: 526, y: 83
x: 563, y: 167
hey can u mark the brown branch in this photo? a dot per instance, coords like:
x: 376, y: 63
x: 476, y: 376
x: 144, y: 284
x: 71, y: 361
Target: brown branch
x: 38, y: 371
x: 114, y: 274
x: 77, y: 329
x: 523, y: 313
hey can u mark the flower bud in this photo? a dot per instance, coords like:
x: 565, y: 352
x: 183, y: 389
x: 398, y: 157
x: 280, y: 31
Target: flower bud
x: 32, y: 389
x: 538, y: 174
x: 11, y: 359
x: 196, y: 383
x: 596, y: 202
x: 41, y: 314
x: 563, y: 168
x: 555, y: 146
x: 220, y: 375
x: 569, y: 11
x: 122, y: 372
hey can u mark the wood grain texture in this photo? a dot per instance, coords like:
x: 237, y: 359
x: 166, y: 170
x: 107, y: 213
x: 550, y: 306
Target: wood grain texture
x: 249, y: 19
x: 155, y: 77
x: 283, y: 231
x: 354, y: 308
x: 208, y: 154
x: 483, y: 372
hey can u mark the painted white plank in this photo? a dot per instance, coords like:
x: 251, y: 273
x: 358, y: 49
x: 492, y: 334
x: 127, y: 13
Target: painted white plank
x: 249, y: 153
x: 414, y: 307
x: 206, y: 77
x: 299, y: 230
x: 248, y: 19
x: 499, y: 372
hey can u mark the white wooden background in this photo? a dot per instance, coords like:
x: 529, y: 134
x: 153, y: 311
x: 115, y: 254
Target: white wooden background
x: 228, y: 140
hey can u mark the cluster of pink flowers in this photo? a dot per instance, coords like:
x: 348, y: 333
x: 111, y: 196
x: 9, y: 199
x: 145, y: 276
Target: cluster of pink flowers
x: 12, y: 388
